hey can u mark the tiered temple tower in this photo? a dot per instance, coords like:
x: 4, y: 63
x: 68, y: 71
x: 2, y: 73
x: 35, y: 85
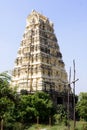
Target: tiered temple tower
x: 39, y: 64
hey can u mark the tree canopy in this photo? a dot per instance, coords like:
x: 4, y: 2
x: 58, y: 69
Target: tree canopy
x: 81, y: 106
x: 23, y: 107
x: 37, y: 104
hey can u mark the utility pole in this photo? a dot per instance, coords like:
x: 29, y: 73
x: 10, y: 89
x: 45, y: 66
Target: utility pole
x: 74, y: 80
x: 74, y: 94
x: 68, y: 110
x: 69, y: 84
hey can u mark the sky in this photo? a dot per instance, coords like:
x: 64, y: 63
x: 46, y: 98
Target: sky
x: 70, y: 24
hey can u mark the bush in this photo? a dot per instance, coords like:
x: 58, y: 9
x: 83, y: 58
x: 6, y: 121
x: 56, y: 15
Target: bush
x: 18, y: 126
x: 57, y: 118
x: 84, y: 127
x: 65, y: 121
x: 76, y: 129
x: 14, y: 126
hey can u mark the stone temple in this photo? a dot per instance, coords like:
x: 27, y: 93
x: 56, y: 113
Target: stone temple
x: 39, y: 65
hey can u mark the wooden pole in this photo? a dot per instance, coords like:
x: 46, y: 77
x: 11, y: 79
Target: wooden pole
x: 68, y: 105
x: 74, y: 118
x: 37, y: 120
x: 2, y: 124
x: 50, y: 121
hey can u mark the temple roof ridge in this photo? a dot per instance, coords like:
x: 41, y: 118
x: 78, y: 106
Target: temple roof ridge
x: 40, y: 15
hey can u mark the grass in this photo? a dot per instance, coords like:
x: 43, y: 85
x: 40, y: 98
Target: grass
x: 80, y: 125
x: 46, y: 127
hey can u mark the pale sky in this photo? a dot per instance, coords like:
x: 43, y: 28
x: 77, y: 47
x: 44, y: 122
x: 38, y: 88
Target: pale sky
x: 70, y: 23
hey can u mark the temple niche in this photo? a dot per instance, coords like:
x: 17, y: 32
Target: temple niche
x: 39, y: 65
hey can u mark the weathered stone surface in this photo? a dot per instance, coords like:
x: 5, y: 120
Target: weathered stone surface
x: 39, y: 63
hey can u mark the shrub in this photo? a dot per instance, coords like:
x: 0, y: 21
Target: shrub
x: 18, y: 126
x: 84, y: 127
x: 57, y: 118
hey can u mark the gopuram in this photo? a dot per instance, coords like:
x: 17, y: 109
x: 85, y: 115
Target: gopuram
x: 39, y: 65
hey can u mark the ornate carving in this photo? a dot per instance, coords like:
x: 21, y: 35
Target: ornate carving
x: 39, y: 63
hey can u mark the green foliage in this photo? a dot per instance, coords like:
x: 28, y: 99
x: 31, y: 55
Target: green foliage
x: 31, y: 106
x: 43, y: 105
x: 13, y: 126
x: 61, y: 115
x: 81, y: 106
x: 21, y: 110
x: 79, y: 126
x: 25, y: 110
x: 5, y: 76
x: 57, y: 118
x: 5, y: 105
x: 8, y: 101
x: 84, y: 127
x: 3, y: 88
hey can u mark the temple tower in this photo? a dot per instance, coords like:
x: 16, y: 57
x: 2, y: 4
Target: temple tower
x: 39, y: 64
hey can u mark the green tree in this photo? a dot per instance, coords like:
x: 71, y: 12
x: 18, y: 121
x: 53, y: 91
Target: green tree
x: 81, y: 106
x: 31, y: 106
x: 24, y: 110
x: 61, y: 114
x: 8, y: 99
x: 5, y: 76
x: 43, y: 105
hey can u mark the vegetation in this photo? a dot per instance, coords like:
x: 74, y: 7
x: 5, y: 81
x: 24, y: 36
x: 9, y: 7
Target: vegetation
x: 80, y: 126
x: 61, y: 115
x: 81, y: 106
x: 32, y: 106
x: 20, y: 112
x: 22, y: 109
